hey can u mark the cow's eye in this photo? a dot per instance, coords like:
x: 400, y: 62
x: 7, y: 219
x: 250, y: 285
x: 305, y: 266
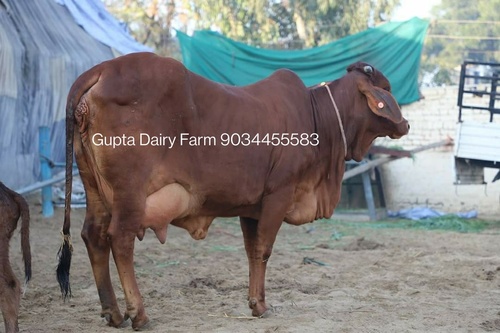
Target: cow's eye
x: 368, y: 69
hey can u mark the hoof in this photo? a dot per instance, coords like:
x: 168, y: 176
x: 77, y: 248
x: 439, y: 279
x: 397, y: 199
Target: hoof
x: 259, y: 309
x: 268, y: 313
x: 141, y: 324
x: 115, y: 319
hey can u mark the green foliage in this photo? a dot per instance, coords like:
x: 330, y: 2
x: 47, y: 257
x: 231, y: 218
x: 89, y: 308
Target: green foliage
x: 446, y: 222
x: 149, y: 21
x: 462, y: 30
x: 287, y: 24
x: 337, y: 233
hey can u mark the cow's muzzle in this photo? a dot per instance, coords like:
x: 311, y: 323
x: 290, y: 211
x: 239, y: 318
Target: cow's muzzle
x: 402, y: 129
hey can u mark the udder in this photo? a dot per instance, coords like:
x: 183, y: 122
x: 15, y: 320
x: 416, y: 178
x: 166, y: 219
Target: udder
x: 170, y: 202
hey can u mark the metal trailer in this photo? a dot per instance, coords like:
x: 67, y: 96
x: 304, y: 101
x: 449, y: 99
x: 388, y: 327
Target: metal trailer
x: 477, y: 144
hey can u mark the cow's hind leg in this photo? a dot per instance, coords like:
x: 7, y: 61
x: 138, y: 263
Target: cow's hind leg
x: 259, y: 237
x: 10, y: 291
x: 124, y: 227
x: 94, y: 234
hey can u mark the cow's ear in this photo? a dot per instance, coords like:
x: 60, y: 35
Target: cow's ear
x: 381, y: 102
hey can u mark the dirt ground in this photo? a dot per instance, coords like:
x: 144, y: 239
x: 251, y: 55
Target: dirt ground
x: 322, y: 277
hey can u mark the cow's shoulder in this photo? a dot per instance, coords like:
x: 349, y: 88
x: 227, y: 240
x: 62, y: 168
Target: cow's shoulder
x: 282, y: 81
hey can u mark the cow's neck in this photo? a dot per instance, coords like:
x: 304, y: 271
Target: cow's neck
x: 332, y: 153
x: 328, y: 124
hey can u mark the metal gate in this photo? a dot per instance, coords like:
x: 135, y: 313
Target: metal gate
x: 477, y: 144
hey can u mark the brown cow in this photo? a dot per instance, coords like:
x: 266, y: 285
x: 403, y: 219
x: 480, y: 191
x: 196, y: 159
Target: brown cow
x: 12, y: 206
x: 151, y: 144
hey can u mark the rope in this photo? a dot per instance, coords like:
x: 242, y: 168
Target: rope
x: 340, y: 120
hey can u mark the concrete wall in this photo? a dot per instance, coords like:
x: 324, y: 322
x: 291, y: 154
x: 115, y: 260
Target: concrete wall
x: 427, y: 180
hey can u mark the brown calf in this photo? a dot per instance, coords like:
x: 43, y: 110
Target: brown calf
x: 12, y: 206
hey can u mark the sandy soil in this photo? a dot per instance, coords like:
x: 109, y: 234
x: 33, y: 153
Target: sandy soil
x: 320, y: 279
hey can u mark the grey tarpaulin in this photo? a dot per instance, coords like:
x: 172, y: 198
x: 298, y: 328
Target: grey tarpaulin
x: 93, y: 17
x: 42, y: 51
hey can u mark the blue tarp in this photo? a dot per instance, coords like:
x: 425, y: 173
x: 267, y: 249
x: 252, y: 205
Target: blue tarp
x: 394, y: 48
x: 419, y: 213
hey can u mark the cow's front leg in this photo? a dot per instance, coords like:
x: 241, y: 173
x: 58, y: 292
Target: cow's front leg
x: 122, y: 232
x: 94, y: 234
x: 259, y: 237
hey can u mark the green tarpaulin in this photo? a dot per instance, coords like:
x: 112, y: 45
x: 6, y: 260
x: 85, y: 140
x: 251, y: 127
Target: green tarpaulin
x: 394, y: 48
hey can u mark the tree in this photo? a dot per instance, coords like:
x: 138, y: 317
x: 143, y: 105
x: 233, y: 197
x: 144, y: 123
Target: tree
x: 462, y: 30
x: 290, y: 24
x: 149, y: 21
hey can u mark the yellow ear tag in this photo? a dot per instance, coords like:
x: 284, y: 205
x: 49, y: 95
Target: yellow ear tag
x: 380, y: 105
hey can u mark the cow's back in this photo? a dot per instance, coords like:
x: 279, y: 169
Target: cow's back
x: 147, y: 95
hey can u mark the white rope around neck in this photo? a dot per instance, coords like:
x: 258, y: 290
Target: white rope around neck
x: 340, y: 120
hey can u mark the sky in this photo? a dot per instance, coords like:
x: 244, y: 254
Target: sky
x: 411, y: 8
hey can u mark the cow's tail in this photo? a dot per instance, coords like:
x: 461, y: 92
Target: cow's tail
x: 79, y: 88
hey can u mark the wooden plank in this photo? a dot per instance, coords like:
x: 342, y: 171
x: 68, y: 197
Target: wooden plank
x: 478, y: 146
x: 474, y: 155
x: 379, y: 161
x: 471, y: 124
x: 487, y: 142
x: 479, y: 141
x: 483, y: 131
x: 466, y: 149
x: 389, y: 151
x: 39, y: 185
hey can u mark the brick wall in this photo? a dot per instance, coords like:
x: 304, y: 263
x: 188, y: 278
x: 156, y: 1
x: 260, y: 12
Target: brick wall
x: 427, y: 179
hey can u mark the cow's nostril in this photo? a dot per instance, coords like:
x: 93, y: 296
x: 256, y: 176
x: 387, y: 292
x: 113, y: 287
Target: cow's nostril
x: 408, y: 126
